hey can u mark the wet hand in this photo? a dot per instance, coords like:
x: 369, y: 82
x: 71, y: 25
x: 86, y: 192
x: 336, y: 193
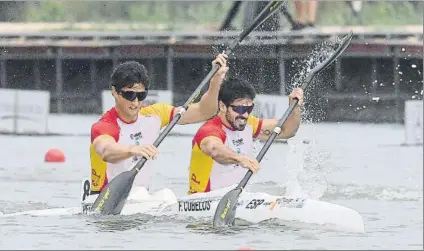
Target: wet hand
x: 148, y: 151
x: 219, y: 76
x: 296, y: 93
x: 249, y: 163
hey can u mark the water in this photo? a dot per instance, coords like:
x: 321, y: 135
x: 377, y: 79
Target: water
x: 355, y: 165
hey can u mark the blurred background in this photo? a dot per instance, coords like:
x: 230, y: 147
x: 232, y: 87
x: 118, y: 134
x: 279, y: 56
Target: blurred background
x: 68, y: 48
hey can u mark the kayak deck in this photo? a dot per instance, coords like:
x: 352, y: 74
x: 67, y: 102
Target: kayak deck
x: 252, y: 207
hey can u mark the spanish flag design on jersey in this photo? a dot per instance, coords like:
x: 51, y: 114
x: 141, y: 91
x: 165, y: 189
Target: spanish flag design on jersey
x: 144, y: 130
x: 206, y: 174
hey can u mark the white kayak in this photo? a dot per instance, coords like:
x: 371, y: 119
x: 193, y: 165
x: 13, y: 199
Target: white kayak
x: 252, y: 208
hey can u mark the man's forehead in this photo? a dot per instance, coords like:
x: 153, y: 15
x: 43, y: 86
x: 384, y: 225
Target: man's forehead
x: 137, y: 86
x: 242, y: 101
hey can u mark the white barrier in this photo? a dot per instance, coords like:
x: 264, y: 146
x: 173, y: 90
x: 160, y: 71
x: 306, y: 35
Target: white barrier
x: 270, y: 106
x: 24, y: 111
x: 413, y: 122
x: 154, y: 96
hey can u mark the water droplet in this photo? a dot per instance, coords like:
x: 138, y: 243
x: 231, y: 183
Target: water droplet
x: 414, y: 66
x: 403, y: 49
x: 401, y: 73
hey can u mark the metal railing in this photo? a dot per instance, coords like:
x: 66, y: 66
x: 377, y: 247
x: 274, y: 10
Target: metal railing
x: 189, y: 15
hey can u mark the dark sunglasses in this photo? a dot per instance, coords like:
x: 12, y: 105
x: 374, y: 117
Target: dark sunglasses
x: 242, y: 109
x: 131, y: 95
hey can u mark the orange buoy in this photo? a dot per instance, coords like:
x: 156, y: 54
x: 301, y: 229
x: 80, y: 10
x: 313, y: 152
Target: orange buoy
x: 54, y: 155
x: 245, y: 248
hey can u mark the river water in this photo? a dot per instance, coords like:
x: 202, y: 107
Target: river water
x: 361, y: 166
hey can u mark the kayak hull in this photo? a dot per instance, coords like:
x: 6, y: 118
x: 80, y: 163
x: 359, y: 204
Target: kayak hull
x: 252, y: 208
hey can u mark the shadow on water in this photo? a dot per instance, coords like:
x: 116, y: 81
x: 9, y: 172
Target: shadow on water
x: 207, y: 228
x: 119, y: 223
x: 242, y: 227
x: 303, y: 230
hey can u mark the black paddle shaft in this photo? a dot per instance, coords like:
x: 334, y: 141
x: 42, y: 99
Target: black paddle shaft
x: 277, y: 129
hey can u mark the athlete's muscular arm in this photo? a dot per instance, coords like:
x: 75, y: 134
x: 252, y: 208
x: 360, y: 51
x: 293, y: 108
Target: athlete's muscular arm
x: 213, y: 147
x: 109, y: 150
x: 112, y: 152
x: 104, y: 137
x: 207, y: 107
x: 292, y: 123
x: 289, y: 128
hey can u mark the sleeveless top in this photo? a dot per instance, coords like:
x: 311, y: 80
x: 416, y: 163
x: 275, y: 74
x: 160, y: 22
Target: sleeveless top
x: 206, y: 174
x: 143, y: 131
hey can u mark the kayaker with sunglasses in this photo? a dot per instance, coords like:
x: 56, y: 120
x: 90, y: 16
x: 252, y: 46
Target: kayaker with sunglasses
x: 222, y: 147
x: 126, y: 133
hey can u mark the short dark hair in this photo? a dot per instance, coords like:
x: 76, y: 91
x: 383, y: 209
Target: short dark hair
x: 129, y: 73
x: 235, y: 88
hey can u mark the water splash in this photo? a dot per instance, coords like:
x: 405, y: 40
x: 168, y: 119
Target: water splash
x: 315, y: 102
x: 318, y: 54
x: 336, y: 191
x: 305, y: 166
x: 306, y: 162
x: 368, y: 192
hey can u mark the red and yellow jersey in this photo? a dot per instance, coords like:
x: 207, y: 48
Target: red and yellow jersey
x: 205, y: 174
x: 143, y: 131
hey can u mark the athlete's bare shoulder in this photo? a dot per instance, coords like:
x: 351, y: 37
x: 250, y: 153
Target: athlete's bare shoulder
x: 107, y: 124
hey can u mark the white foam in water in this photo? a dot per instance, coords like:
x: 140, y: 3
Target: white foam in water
x: 371, y: 192
x: 295, y: 165
x: 307, y: 164
x: 306, y: 159
x: 302, y: 154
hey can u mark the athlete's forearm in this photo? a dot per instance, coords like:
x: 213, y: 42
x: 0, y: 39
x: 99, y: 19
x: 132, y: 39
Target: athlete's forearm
x: 223, y: 155
x: 114, y: 153
x: 209, y: 101
x: 292, y: 124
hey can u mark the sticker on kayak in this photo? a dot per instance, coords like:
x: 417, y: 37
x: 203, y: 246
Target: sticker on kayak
x: 86, y: 207
x: 188, y: 206
x: 85, y: 189
x: 282, y: 202
x: 291, y: 202
x: 85, y: 193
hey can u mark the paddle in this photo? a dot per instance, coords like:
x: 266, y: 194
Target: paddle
x: 112, y: 198
x: 226, y: 209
